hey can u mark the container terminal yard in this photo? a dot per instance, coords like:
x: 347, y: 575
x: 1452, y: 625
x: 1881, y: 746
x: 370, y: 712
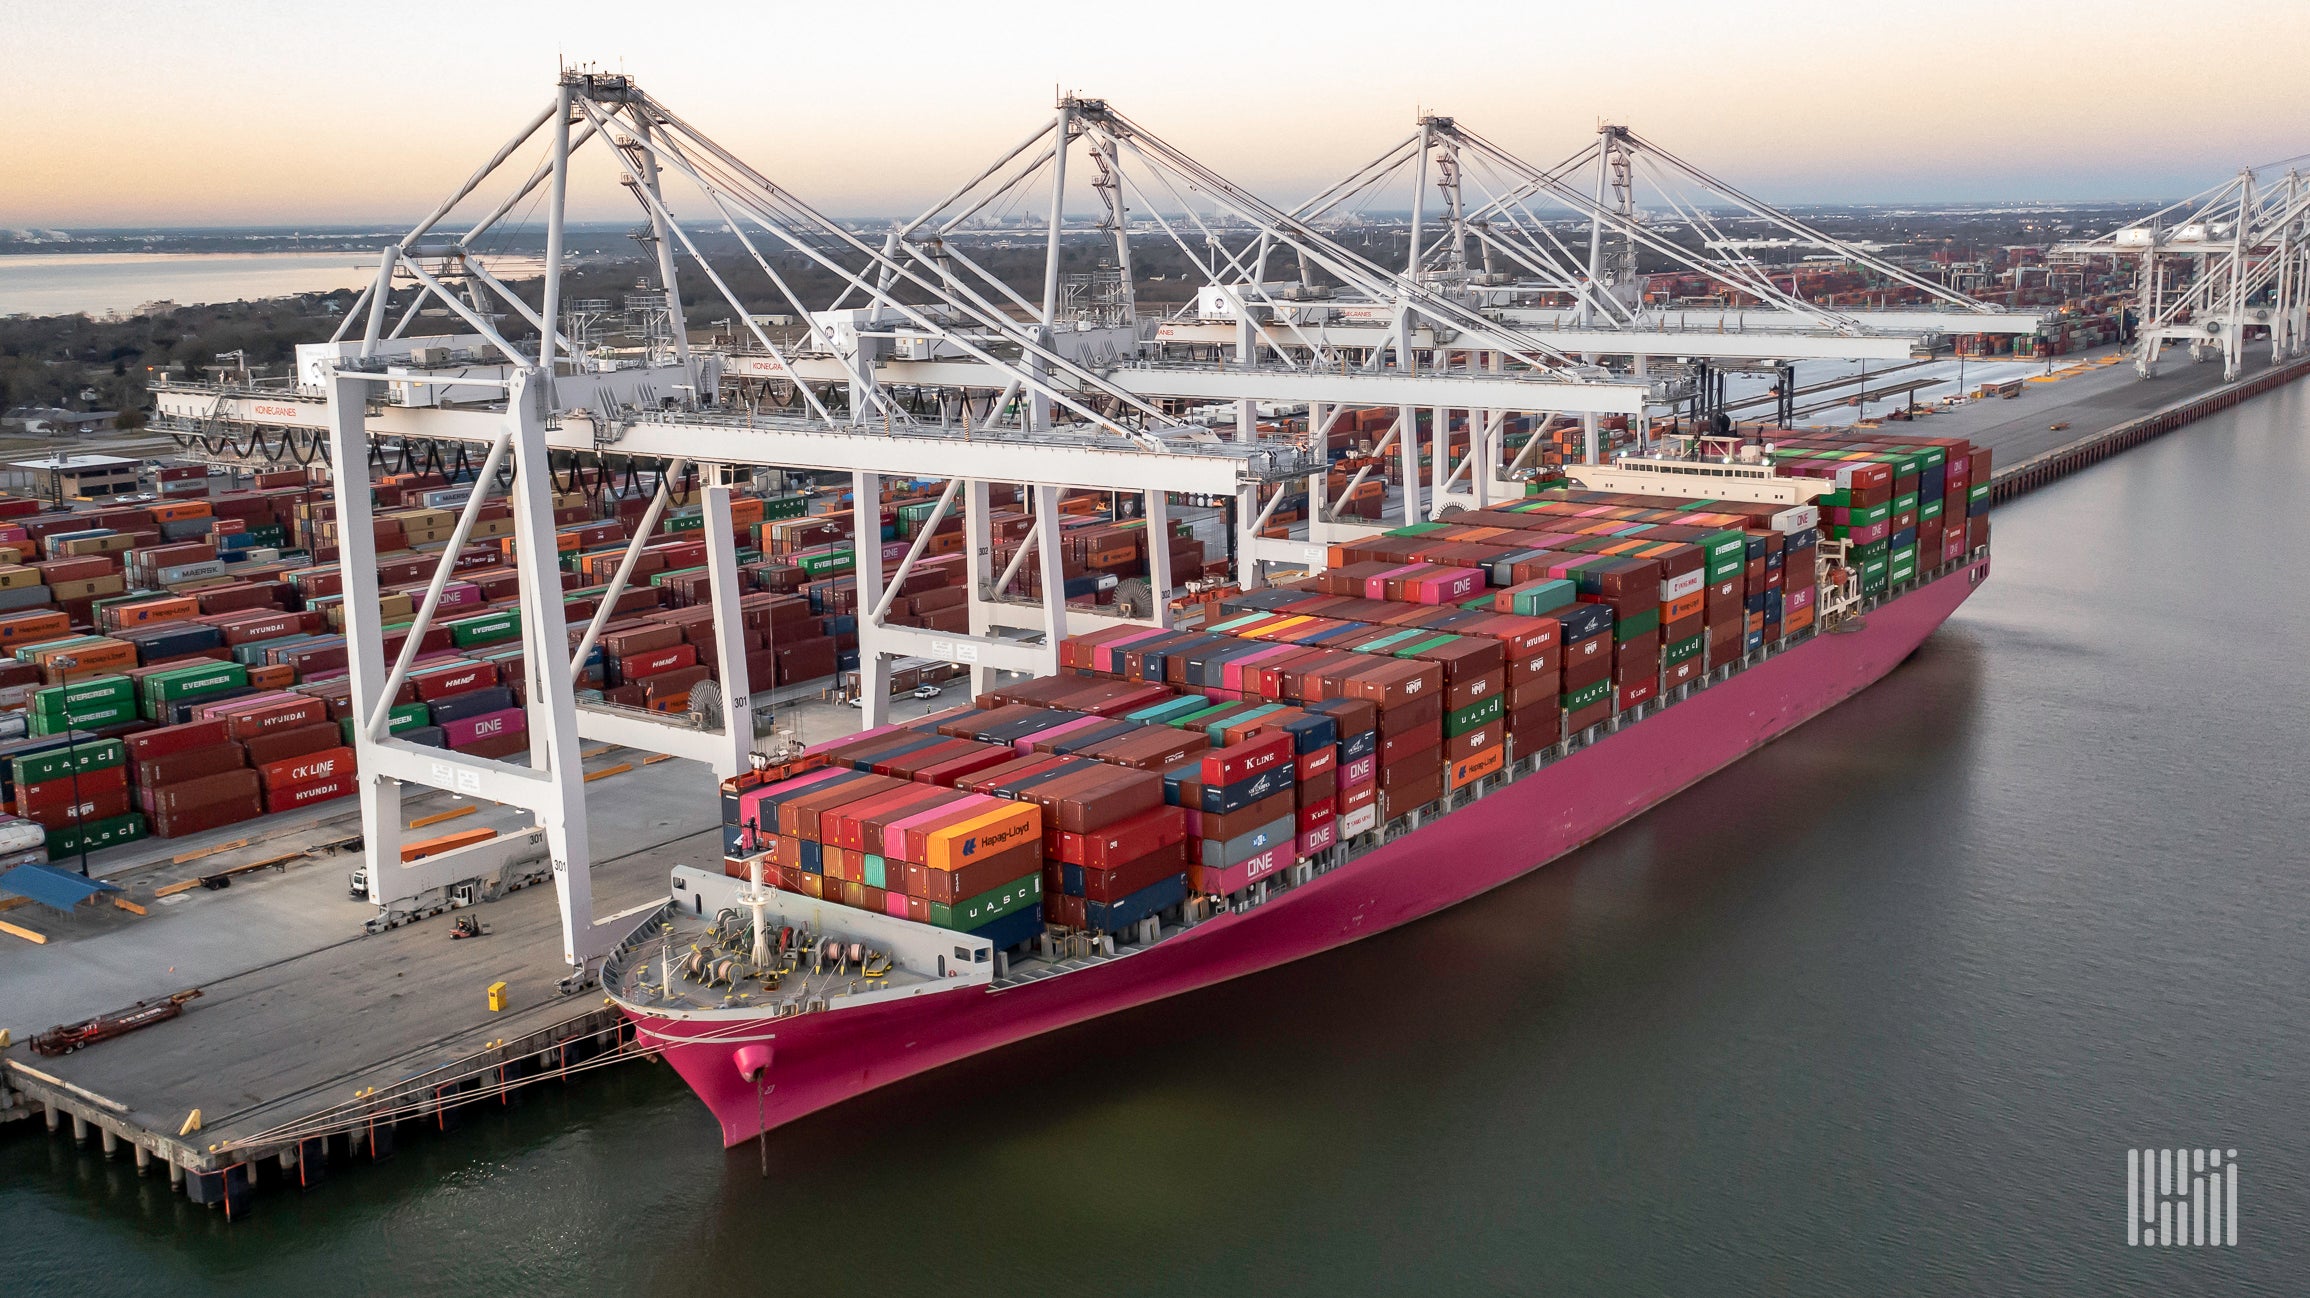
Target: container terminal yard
x: 371, y: 836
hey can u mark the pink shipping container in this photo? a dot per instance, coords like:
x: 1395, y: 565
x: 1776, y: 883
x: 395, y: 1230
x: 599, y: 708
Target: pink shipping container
x: 1317, y: 839
x: 1447, y: 587
x: 466, y: 730
x: 1376, y: 587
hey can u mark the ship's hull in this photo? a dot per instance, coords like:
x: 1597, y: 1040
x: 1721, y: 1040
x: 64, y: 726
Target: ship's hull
x: 822, y: 1059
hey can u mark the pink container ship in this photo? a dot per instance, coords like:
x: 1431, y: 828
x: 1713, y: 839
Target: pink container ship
x: 1181, y: 807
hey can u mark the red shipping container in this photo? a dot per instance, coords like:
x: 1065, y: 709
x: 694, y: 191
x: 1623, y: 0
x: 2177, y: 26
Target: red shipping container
x: 440, y: 682
x: 224, y: 786
x: 1125, y: 840
x: 145, y: 745
x: 1229, y: 765
x: 635, y: 667
x: 304, y: 768
x: 58, y: 792
x: 288, y: 714
x: 515, y: 745
x: 305, y: 793
x: 274, y: 745
x: 176, y: 823
x: 187, y: 764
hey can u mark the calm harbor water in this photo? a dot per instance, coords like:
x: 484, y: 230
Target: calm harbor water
x: 95, y: 283
x: 1877, y: 1011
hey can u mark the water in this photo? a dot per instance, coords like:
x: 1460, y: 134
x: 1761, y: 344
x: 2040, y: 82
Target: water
x: 1877, y: 1011
x: 96, y: 283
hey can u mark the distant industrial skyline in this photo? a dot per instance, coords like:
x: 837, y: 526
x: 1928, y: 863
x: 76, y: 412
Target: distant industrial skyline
x: 266, y: 113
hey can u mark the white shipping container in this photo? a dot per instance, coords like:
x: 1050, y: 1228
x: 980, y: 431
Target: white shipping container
x: 18, y: 835
x: 184, y: 572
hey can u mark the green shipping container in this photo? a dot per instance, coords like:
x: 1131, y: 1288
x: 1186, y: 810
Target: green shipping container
x: 1727, y: 555
x: 84, y: 695
x: 176, y: 686
x: 1873, y: 574
x: 1217, y: 728
x: 1977, y: 498
x: 991, y: 905
x: 1587, y: 695
x: 1929, y: 511
x: 95, y: 835
x: 408, y: 716
x: 1868, y: 514
x: 1541, y: 598
x: 1688, y: 647
x: 1905, y: 502
x: 1193, y: 720
x: 1389, y: 643
x: 1637, y: 624
x: 785, y: 506
x: 487, y: 629
x: 833, y: 561
x: 60, y: 762
x: 1475, y: 716
x: 84, y: 719
x: 1432, y: 641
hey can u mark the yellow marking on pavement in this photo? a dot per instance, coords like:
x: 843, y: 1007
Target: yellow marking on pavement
x: 608, y: 771
x: 39, y: 939
x: 208, y: 851
x: 439, y: 816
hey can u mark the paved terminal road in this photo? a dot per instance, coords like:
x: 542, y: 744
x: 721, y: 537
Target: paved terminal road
x: 100, y: 958
x: 2091, y: 402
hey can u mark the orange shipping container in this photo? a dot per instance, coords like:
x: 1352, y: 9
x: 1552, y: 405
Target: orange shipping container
x: 953, y: 846
x: 146, y: 612
x: 32, y: 628
x: 94, y: 659
x: 425, y: 847
x: 174, y: 511
x: 272, y: 676
x: 1470, y: 770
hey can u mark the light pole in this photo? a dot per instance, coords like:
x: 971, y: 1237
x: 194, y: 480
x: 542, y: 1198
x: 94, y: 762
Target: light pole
x: 66, y: 663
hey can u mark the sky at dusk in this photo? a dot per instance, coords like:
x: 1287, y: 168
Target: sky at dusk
x: 132, y: 114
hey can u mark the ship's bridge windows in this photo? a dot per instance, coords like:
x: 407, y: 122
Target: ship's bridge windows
x: 979, y: 956
x: 962, y: 953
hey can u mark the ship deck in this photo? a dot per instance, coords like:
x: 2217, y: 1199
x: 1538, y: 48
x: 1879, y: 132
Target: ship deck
x: 653, y: 971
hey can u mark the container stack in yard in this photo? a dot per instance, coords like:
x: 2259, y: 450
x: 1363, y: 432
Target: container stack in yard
x: 191, y: 639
